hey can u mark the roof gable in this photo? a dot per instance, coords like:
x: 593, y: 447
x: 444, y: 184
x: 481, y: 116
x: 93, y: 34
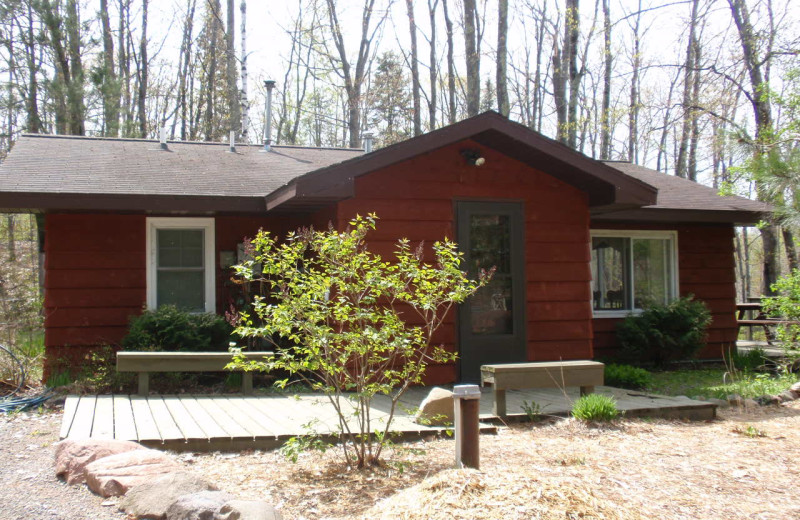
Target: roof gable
x: 604, y: 185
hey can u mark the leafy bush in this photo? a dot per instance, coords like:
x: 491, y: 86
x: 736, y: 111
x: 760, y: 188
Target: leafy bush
x: 342, y: 308
x: 626, y: 376
x: 786, y: 306
x: 595, y: 407
x: 664, y: 333
x: 171, y: 329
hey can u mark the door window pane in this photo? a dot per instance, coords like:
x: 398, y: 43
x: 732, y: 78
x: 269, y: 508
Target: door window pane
x: 490, y: 246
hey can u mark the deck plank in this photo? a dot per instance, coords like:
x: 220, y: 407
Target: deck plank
x: 223, y: 418
x: 103, y: 424
x: 124, y: 425
x: 268, y: 422
x: 203, y: 418
x: 84, y: 416
x: 183, y: 419
x: 247, y: 417
x: 163, y: 419
x: 70, y: 406
x: 146, y: 428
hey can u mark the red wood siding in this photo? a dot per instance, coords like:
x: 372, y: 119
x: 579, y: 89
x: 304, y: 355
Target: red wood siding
x: 415, y: 199
x: 94, y: 280
x: 705, y: 269
x: 96, y: 277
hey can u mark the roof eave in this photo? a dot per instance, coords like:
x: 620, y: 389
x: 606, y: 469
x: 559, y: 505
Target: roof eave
x: 27, y: 201
x: 655, y: 214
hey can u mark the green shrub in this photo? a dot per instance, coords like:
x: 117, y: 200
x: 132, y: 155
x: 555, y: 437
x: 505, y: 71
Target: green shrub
x: 595, y: 407
x: 664, y: 333
x: 786, y: 306
x: 626, y: 376
x: 171, y: 329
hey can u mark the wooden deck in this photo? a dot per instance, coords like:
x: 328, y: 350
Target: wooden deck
x: 236, y: 422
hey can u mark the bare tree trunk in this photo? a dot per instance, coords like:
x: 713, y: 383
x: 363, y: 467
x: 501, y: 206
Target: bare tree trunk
x: 661, y: 158
x: 184, y: 61
x: 354, y: 79
x: 234, y: 106
x: 762, y: 111
x: 694, y: 132
x: 143, y: 73
x: 605, y: 116
x: 124, y: 66
x: 211, y: 74
x: 788, y: 244
x: 75, y: 104
x: 433, y: 72
x: 110, y: 85
x: 502, y: 57
x: 245, y: 101
x: 633, y: 109
x: 451, y: 67
x: 681, y: 163
x: 34, y: 121
x: 473, y: 60
x: 572, y: 34
x: 412, y: 27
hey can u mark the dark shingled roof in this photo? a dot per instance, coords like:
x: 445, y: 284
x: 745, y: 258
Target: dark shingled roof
x: 82, y: 173
x: 684, y: 200
x: 131, y: 168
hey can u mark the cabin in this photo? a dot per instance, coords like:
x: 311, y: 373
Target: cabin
x: 578, y: 243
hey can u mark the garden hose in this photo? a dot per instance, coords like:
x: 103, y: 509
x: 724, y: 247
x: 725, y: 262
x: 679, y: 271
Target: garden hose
x: 9, y: 403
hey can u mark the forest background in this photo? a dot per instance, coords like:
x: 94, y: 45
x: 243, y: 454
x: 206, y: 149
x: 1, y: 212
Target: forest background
x: 702, y: 89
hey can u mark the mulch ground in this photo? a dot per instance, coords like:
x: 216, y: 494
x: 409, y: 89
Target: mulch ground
x: 743, y: 465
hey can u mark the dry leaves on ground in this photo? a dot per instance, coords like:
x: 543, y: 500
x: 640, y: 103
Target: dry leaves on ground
x: 741, y: 466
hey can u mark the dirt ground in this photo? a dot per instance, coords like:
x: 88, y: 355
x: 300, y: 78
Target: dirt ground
x: 743, y: 465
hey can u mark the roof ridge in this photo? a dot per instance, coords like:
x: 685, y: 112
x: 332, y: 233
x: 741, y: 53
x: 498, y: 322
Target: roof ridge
x: 178, y: 141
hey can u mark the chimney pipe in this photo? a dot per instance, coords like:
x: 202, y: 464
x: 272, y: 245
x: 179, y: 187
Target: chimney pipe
x: 368, y: 142
x: 162, y: 137
x: 232, y: 148
x: 269, y: 84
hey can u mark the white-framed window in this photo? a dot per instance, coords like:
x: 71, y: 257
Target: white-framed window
x: 180, y: 263
x: 632, y: 268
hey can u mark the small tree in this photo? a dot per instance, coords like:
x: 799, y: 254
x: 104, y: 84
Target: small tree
x: 358, y: 326
x: 786, y: 307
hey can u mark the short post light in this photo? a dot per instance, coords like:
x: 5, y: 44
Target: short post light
x: 466, y: 401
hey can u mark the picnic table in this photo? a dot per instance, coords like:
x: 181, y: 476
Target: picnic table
x: 751, y: 314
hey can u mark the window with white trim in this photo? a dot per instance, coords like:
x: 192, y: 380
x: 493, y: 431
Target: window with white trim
x: 180, y: 266
x: 631, y: 269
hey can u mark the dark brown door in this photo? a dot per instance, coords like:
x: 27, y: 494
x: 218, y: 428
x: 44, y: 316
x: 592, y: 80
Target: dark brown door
x: 491, y: 323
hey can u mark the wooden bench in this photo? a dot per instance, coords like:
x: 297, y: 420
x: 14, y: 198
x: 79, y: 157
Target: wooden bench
x: 146, y: 362
x: 551, y: 374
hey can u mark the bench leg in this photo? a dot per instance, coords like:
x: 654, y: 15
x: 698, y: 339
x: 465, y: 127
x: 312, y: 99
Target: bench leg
x: 144, y: 383
x: 247, y: 383
x: 587, y: 390
x: 499, y: 407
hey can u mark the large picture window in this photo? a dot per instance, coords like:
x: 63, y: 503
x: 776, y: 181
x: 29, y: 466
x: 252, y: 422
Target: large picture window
x: 631, y: 269
x: 180, y: 267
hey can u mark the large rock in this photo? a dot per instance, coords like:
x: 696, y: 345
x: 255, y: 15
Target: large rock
x: 248, y: 510
x: 116, y: 474
x: 152, y: 498
x: 436, y: 409
x: 72, y: 456
x: 198, y: 506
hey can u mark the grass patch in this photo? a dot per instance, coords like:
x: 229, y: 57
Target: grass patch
x: 595, y: 407
x: 719, y: 383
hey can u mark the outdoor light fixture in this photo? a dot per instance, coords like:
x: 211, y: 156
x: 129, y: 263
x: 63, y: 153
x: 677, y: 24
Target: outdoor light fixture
x: 473, y: 157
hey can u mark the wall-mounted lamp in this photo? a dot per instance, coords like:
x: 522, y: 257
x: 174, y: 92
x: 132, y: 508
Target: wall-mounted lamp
x: 473, y: 157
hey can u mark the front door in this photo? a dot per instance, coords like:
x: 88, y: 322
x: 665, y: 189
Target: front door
x: 491, y: 323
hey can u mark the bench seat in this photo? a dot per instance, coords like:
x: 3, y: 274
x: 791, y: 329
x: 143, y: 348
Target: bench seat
x: 548, y: 374
x: 146, y: 362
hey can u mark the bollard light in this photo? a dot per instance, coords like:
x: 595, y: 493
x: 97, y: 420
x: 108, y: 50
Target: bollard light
x: 466, y: 403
